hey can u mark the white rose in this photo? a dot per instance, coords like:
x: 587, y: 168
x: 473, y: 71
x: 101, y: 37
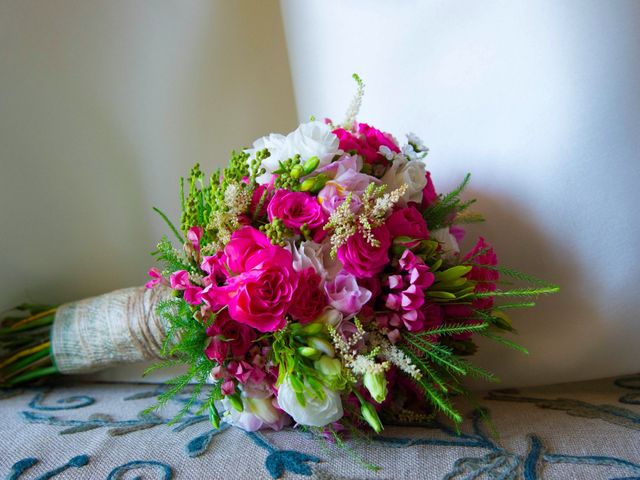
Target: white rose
x: 258, y: 413
x: 411, y: 173
x: 313, y: 139
x: 277, y: 146
x: 316, y: 412
x: 448, y: 243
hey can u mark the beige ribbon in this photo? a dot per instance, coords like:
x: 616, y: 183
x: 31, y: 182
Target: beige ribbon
x: 119, y: 327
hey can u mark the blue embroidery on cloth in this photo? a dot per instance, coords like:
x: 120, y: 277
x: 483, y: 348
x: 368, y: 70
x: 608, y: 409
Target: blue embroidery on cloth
x: 280, y: 461
x: 489, y: 460
x: 630, y: 383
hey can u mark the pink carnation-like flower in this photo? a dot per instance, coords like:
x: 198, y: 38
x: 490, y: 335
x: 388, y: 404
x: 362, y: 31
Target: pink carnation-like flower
x: 345, y: 295
x: 406, y: 293
x: 261, y: 296
x: 366, y: 142
x: 228, y: 338
x: 407, y: 222
x: 362, y: 259
x: 216, y: 268
x: 309, y: 300
x: 295, y: 209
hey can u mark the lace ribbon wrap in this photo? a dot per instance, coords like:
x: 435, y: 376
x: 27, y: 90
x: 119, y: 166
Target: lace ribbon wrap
x: 99, y: 332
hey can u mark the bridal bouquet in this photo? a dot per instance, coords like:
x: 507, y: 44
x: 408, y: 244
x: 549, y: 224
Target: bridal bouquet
x: 321, y: 282
x: 318, y: 279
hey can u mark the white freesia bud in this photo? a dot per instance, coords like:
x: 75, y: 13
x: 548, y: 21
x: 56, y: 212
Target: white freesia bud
x: 411, y: 173
x: 315, y: 412
x: 322, y: 345
x: 329, y: 367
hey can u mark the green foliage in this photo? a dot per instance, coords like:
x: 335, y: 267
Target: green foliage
x: 170, y: 257
x: 169, y: 224
x: 185, y: 344
x: 443, y: 212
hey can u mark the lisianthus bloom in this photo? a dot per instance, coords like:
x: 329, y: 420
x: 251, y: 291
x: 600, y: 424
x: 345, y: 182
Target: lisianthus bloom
x: 228, y: 338
x: 362, y: 259
x: 261, y: 295
x: 406, y: 172
x: 345, y: 295
x: 316, y: 412
x: 407, y: 222
x: 308, y: 300
x: 366, y: 141
x: 345, y: 178
x: 296, y: 209
x: 258, y: 412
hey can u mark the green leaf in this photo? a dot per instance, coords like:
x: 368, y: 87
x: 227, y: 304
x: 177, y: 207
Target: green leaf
x: 168, y: 222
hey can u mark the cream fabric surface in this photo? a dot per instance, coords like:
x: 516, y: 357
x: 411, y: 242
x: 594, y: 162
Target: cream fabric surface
x: 574, y: 431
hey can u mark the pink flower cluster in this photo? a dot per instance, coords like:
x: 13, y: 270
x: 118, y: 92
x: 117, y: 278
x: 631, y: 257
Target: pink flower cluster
x: 255, y: 285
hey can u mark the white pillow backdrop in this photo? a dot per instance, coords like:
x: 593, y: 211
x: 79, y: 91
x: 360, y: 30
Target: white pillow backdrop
x: 104, y: 105
x: 541, y: 102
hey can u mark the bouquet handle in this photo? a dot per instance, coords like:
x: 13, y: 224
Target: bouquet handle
x: 103, y: 331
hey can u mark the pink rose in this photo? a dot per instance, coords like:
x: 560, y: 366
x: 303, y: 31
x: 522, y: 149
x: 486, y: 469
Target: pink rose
x: 243, y: 244
x: 295, y: 209
x: 361, y: 258
x: 407, y: 222
x: 309, y: 300
x: 228, y: 337
x: 261, y: 296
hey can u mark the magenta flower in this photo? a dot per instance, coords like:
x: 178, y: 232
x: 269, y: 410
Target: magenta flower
x: 180, y: 281
x: 362, y: 259
x: 429, y: 195
x: 243, y: 244
x: 156, y: 278
x: 261, y: 296
x: 366, y: 142
x: 228, y: 338
x: 194, y: 235
x: 406, y: 293
x: 309, y: 300
x: 345, y: 295
x: 216, y: 268
x: 295, y: 209
x: 408, y: 222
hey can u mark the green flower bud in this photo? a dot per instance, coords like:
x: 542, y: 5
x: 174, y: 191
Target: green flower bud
x: 236, y: 402
x: 312, y: 328
x: 329, y: 367
x: 371, y: 416
x: 297, y: 171
x: 308, y: 352
x: 311, y: 164
x: 322, y: 345
x: 214, y: 416
x: 376, y: 383
x: 307, y: 185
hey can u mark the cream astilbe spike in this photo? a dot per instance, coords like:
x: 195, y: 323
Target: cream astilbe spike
x: 354, y: 106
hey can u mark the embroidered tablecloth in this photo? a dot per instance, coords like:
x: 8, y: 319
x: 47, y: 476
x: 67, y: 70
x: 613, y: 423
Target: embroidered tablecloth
x: 588, y: 430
